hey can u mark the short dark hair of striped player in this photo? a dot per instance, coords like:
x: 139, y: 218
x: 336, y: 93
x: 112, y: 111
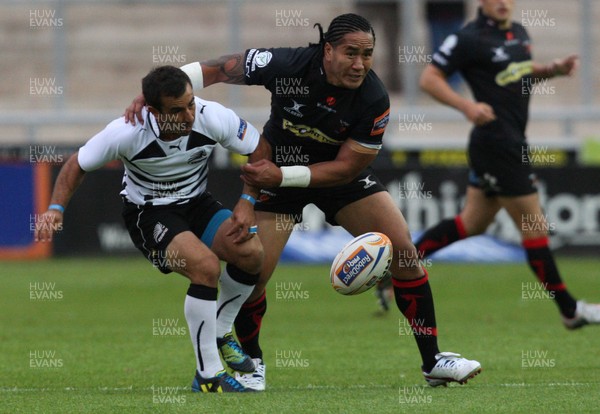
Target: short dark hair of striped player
x: 164, y: 81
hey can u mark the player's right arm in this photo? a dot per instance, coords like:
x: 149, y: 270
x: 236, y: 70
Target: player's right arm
x: 434, y: 82
x: 68, y: 180
x: 225, y: 69
x: 100, y: 149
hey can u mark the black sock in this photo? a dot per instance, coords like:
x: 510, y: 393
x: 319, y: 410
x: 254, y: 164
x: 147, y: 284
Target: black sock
x: 247, y: 325
x: 542, y: 263
x: 415, y: 301
x: 444, y: 233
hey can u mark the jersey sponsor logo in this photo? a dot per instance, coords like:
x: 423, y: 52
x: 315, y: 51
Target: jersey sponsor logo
x: 514, y: 72
x: 159, y: 231
x: 326, y: 108
x: 250, y: 65
x: 198, y: 156
x: 242, y: 130
x: 500, y: 54
x: 294, y: 109
x: 305, y: 131
x: 380, y: 123
x: 368, y: 182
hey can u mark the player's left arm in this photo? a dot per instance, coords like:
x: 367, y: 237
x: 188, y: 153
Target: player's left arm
x: 559, y: 67
x: 351, y: 159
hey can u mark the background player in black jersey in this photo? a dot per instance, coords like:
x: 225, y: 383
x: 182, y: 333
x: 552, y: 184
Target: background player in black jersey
x: 336, y: 119
x: 172, y: 220
x: 493, y: 55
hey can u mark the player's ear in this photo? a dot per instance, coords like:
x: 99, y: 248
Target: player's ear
x: 327, y: 51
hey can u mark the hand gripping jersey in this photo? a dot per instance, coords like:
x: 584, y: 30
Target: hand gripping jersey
x: 310, y: 118
x: 497, y: 65
x: 159, y: 172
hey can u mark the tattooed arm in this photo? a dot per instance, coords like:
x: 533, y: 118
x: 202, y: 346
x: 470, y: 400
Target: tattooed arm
x: 226, y: 69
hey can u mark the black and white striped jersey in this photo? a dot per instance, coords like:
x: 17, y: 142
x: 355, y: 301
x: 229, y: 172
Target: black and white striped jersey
x: 158, y: 172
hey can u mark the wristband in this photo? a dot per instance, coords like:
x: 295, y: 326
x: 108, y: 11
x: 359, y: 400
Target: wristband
x: 295, y: 176
x: 249, y: 198
x: 194, y: 72
x: 56, y: 207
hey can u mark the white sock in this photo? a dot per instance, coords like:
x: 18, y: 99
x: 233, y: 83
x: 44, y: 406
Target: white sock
x: 200, y: 315
x: 232, y: 296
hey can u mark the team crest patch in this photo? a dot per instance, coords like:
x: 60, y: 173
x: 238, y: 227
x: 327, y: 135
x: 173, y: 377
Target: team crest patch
x: 159, y: 231
x: 198, y: 156
x: 380, y: 123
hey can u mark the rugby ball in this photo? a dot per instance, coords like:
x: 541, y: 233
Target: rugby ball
x: 361, y: 263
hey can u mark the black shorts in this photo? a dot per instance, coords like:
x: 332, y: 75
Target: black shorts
x: 291, y: 200
x: 152, y: 228
x: 500, y: 167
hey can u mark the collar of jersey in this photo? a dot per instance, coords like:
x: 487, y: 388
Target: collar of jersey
x: 488, y: 21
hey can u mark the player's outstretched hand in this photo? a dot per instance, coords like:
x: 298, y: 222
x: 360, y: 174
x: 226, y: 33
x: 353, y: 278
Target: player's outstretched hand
x: 46, y: 224
x: 262, y: 174
x: 567, y: 66
x: 479, y: 113
x: 134, y: 110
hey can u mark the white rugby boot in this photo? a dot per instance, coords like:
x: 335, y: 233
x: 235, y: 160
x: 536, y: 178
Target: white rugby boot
x: 256, y: 380
x: 585, y: 314
x: 451, y: 367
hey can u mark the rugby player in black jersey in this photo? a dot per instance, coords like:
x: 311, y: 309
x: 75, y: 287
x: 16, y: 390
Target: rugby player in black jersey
x: 334, y: 120
x: 493, y: 54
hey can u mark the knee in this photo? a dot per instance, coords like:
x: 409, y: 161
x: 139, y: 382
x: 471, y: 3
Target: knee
x: 205, y: 270
x: 250, y: 259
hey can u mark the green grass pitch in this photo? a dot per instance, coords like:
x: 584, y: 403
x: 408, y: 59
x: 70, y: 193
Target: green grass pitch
x: 109, y: 335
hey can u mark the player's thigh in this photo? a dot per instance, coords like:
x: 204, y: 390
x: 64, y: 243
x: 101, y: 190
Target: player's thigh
x: 479, y: 210
x: 187, y: 255
x: 526, y: 212
x: 247, y: 255
x: 377, y: 212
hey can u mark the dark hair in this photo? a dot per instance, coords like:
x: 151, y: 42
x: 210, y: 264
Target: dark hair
x: 342, y: 25
x: 164, y: 81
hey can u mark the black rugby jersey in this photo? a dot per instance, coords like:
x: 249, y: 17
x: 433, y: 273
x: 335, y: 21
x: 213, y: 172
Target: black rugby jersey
x: 310, y: 118
x: 497, y: 65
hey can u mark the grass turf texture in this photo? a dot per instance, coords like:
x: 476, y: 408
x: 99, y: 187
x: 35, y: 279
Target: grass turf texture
x: 325, y: 353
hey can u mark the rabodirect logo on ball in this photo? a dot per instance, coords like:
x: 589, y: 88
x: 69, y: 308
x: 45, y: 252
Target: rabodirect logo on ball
x: 358, y: 261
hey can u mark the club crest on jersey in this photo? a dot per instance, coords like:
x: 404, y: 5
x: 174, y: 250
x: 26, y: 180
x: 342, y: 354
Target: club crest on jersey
x: 295, y: 109
x: 256, y: 59
x: 159, y: 231
x: 198, y: 156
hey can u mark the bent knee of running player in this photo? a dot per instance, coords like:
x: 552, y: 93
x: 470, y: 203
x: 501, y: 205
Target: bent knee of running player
x: 188, y: 256
x: 246, y: 256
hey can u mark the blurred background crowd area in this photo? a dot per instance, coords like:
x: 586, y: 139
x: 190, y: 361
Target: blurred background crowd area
x: 69, y: 67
